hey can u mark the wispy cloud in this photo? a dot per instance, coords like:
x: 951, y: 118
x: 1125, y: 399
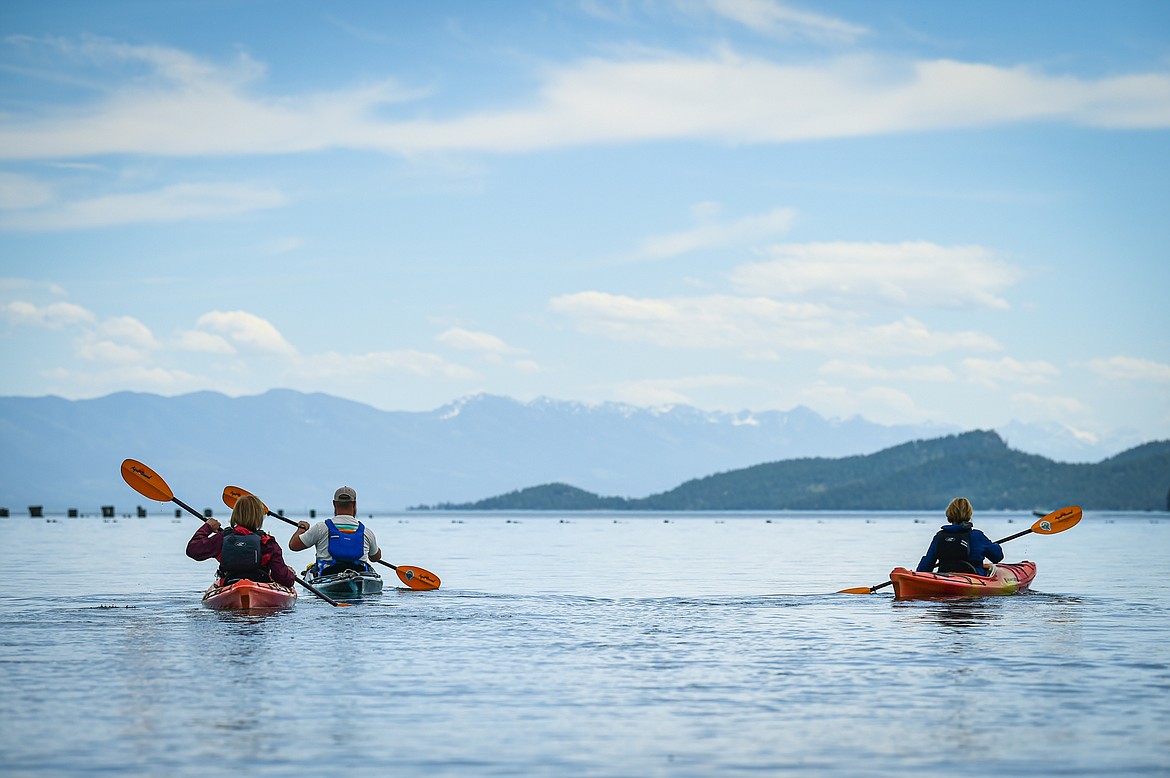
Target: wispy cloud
x: 1056, y: 408
x: 661, y: 392
x: 864, y: 371
x: 713, y: 233
x: 52, y: 316
x: 122, y: 377
x: 756, y: 327
x: 1124, y: 368
x: 883, y: 404
x: 881, y: 274
x: 188, y: 107
x: 994, y: 373
x: 467, y: 340
x: 177, y: 202
x: 18, y: 192
x: 335, y: 366
x: 783, y: 20
x: 183, y: 106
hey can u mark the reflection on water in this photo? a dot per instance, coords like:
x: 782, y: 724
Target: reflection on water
x: 959, y: 614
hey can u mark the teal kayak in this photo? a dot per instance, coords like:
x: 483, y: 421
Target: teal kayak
x: 346, y: 583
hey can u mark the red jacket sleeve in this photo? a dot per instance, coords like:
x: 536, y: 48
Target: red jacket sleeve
x: 205, y: 543
x: 281, y: 573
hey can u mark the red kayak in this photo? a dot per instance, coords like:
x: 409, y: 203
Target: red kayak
x: 245, y: 595
x: 1006, y: 579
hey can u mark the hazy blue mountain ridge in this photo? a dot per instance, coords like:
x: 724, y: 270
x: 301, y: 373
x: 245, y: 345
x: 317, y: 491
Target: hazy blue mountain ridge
x: 919, y: 475
x: 294, y: 448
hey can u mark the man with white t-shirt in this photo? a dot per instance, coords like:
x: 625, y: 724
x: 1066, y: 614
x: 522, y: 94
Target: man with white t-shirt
x: 343, y: 542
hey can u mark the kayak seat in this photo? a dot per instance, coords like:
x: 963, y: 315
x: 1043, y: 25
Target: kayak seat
x: 958, y: 566
x: 259, y: 577
x: 321, y: 568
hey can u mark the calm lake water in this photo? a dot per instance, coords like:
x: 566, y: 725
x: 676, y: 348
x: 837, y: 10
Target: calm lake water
x: 591, y: 645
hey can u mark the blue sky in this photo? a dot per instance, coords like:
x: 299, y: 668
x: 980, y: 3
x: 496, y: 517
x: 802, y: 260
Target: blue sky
x: 908, y: 211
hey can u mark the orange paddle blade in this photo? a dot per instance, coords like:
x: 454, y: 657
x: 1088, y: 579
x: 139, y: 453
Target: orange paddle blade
x: 417, y: 578
x: 232, y: 495
x: 1058, y: 521
x: 145, y: 481
x: 857, y: 590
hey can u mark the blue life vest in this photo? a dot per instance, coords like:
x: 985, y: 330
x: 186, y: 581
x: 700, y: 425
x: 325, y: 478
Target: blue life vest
x: 346, y: 546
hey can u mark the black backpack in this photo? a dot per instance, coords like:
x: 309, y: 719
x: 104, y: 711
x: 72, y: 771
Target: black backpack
x: 954, y: 552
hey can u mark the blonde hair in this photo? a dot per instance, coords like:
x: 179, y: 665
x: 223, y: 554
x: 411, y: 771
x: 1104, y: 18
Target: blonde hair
x: 959, y: 510
x: 248, y: 513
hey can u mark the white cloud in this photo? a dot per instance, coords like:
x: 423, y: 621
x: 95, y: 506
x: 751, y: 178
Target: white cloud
x: 124, y: 377
x: 203, y: 342
x: 881, y: 404
x: 109, y: 351
x: 663, y: 392
x: 52, y: 288
x: 1048, y: 407
x: 1123, y: 368
x: 916, y: 273
x: 119, y: 340
x: 1008, y: 371
x: 467, y: 340
x: 418, y: 363
x: 650, y: 394
x: 53, y: 316
x: 757, y: 327
x: 247, y: 332
x: 191, y: 107
x: 862, y: 371
x: 128, y: 330
x: 17, y: 191
x: 183, y: 106
x: 711, y: 234
x: 734, y: 99
x: 781, y: 20
x: 178, y: 202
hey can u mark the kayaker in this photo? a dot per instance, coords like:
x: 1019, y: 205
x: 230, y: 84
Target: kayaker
x: 343, y: 542
x: 958, y: 547
x: 243, y: 550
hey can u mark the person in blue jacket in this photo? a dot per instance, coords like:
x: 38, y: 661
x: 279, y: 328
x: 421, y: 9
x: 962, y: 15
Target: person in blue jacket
x: 958, y: 547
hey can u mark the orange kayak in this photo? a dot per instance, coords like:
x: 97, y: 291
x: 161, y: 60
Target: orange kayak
x: 1007, y: 579
x: 243, y: 595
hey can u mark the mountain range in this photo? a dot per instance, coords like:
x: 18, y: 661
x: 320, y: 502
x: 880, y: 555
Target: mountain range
x: 294, y: 449
x: 916, y: 476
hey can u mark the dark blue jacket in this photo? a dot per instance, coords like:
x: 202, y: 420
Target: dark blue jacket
x: 981, y: 547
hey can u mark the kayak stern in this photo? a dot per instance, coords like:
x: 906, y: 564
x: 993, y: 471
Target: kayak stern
x: 1007, y: 579
x: 248, y: 595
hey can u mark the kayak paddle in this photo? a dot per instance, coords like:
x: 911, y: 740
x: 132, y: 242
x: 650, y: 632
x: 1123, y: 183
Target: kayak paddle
x: 414, y: 577
x: 152, y: 486
x: 1057, y: 521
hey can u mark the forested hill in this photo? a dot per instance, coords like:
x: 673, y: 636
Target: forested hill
x: 920, y: 475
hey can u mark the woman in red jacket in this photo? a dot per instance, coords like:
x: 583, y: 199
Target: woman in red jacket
x: 243, y: 550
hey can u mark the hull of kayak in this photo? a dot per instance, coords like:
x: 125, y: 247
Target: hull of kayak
x: 247, y: 595
x: 347, y: 583
x: 1007, y: 579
